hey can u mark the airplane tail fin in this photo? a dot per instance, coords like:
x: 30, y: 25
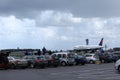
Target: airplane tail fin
x: 101, y: 42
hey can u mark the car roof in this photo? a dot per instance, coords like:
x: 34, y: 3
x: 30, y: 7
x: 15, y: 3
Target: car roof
x: 63, y: 53
x: 90, y: 54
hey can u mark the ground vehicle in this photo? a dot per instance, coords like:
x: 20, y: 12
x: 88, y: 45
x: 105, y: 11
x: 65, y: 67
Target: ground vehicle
x: 36, y: 61
x: 117, y: 65
x: 17, y: 62
x: 66, y: 58
x: 105, y: 58
x: 4, y: 62
x: 91, y: 57
x: 79, y: 59
x: 113, y: 57
x: 52, y: 60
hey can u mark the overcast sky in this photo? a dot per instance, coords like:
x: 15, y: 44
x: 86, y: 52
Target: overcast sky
x: 58, y: 24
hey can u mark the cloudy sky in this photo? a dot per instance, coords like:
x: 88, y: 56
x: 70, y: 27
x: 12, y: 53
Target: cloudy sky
x: 58, y: 24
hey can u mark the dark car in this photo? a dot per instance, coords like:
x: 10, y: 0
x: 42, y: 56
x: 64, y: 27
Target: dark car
x: 4, y: 62
x: 53, y: 60
x: 113, y: 57
x: 105, y: 58
x: 79, y: 59
x: 36, y: 61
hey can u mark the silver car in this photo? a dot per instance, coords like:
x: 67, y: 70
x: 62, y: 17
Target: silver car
x: 36, y: 61
x: 91, y: 57
x: 17, y: 62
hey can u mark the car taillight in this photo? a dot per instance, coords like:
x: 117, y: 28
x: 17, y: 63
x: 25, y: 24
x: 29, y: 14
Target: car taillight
x: 51, y: 58
x: 38, y: 60
x: 67, y: 56
x: 18, y: 61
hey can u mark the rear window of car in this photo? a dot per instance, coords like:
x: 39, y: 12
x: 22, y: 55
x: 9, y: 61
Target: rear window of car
x: 40, y: 57
x: 88, y: 55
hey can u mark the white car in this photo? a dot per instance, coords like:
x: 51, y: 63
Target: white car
x: 117, y: 65
x: 66, y: 58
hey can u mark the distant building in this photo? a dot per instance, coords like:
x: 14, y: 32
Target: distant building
x: 116, y: 51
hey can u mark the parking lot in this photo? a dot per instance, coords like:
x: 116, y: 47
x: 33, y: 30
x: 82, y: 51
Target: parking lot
x: 86, y: 72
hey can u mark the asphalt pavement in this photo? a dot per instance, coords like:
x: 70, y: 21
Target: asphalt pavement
x: 104, y: 71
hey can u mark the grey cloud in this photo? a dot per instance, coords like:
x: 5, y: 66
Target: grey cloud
x: 62, y: 37
x: 81, y: 8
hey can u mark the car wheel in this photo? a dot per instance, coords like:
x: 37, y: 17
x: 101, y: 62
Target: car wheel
x: 103, y: 61
x: 13, y: 66
x: 91, y: 61
x: 24, y: 67
x: 82, y: 63
x: 63, y: 63
x: 43, y: 66
x: 119, y: 68
x: 55, y: 65
x: 32, y: 66
x: 76, y: 63
x: 6, y: 67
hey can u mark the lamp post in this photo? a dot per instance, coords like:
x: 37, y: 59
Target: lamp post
x: 87, y: 41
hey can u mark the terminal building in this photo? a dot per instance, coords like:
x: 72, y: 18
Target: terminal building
x: 116, y: 51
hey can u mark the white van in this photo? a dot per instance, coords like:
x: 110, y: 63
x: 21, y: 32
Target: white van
x: 66, y: 58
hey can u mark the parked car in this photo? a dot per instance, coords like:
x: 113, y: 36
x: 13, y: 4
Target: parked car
x: 91, y: 57
x: 4, y: 62
x: 105, y: 58
x: 113, y: 57
x: 17, y: 62
x: 36, y: 61
x: 117, y: 65
x: 66, y: 58
x: 53, y: 60
x: 79, y: 59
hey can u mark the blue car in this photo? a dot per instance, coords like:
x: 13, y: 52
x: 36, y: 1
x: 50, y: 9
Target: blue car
x: 79, y: 59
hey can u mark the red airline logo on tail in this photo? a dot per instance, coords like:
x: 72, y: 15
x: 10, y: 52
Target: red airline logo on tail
x: 101, y: 42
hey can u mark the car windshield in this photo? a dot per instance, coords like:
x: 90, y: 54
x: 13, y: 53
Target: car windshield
x: 88, y: 55
x: 71, y: 55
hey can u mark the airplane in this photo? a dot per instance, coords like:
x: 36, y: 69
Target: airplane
x: 89, y: 47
